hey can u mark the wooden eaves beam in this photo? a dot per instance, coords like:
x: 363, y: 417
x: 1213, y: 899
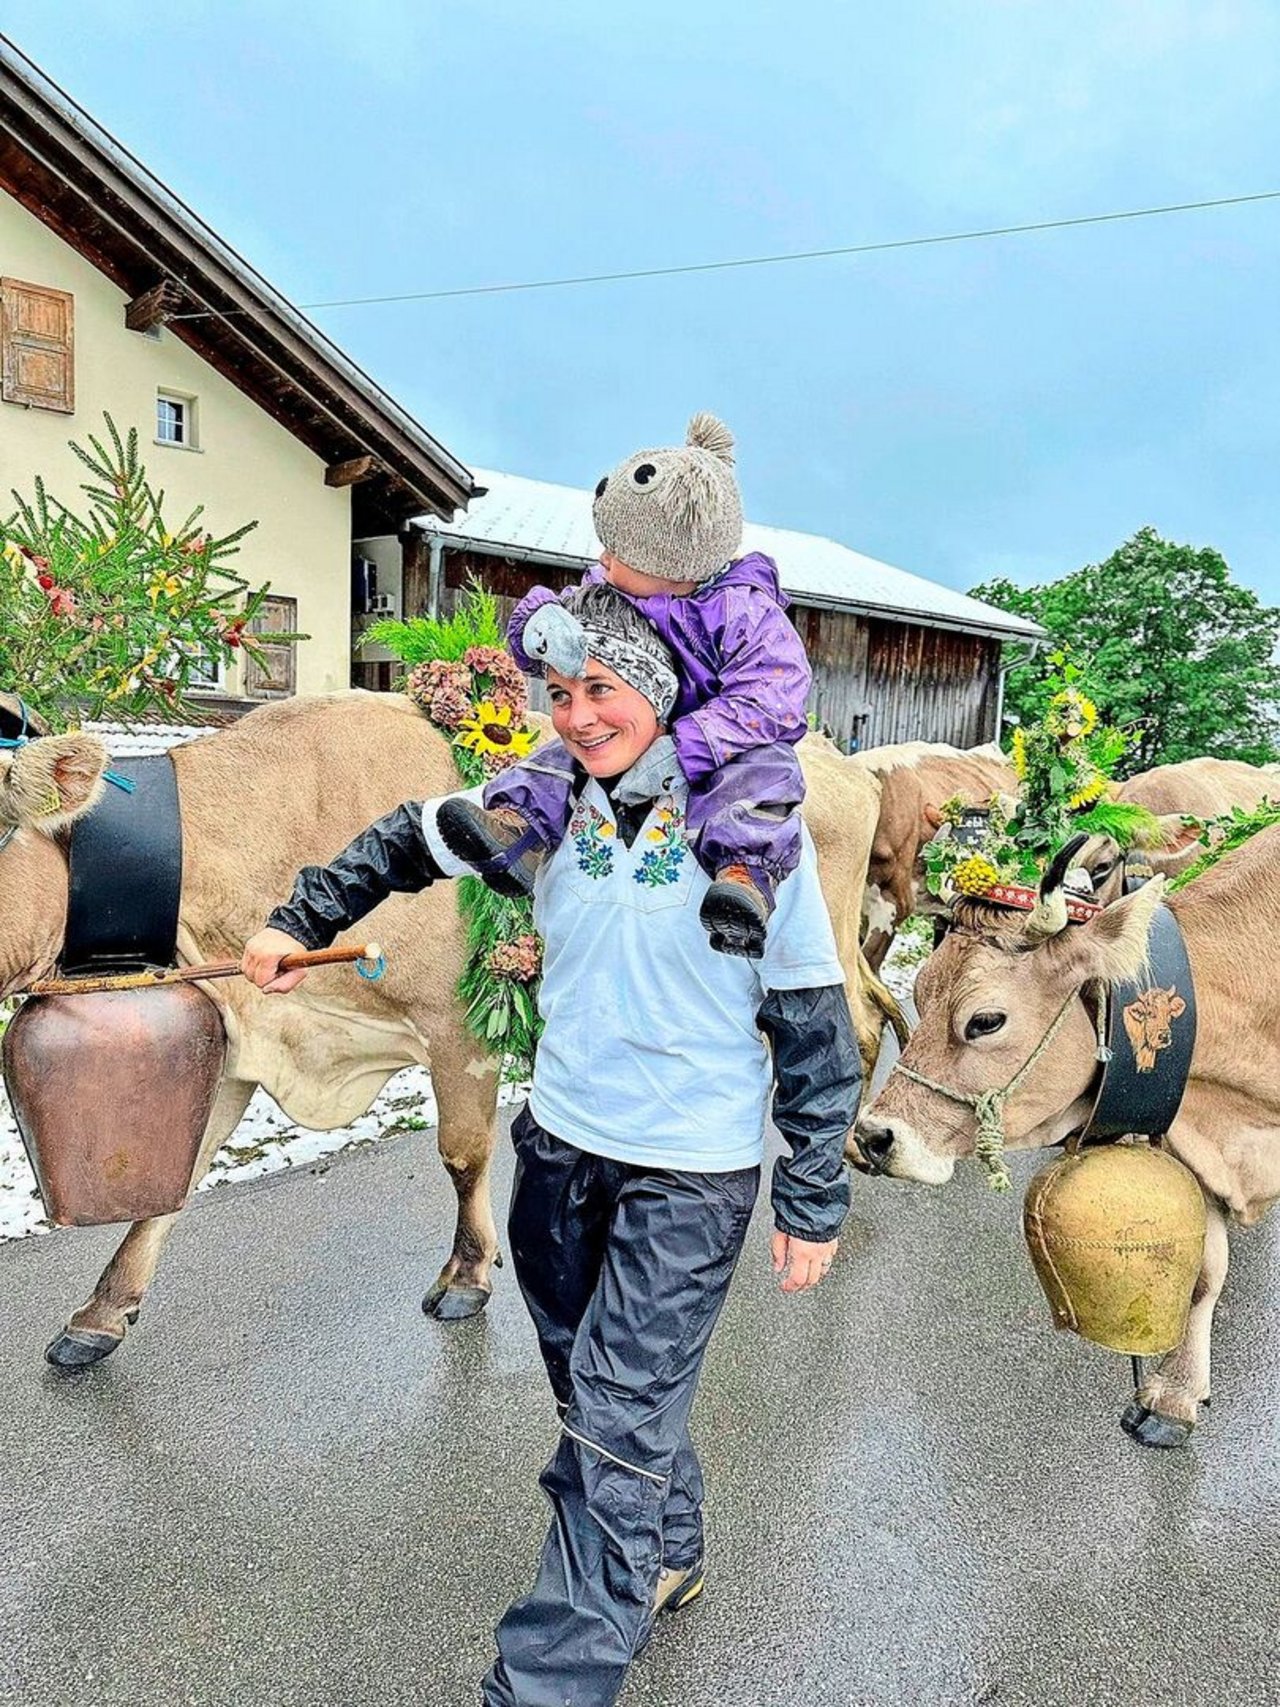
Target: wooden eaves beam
x: 353, y: 470
x: 154, y: 306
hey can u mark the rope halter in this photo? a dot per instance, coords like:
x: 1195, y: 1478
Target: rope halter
x: 988, y: 1106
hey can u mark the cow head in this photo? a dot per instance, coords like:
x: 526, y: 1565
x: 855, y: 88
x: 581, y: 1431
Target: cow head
x: 44, y: 786
x: 1149, y: 1023
x: 987, y: 998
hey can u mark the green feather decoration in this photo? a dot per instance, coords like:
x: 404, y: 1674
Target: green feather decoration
x: 1128, y: 824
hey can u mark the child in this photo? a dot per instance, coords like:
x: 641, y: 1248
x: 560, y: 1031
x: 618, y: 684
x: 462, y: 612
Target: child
x: 670, y: 522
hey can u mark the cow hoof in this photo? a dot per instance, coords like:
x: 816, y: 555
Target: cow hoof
x: 454, y: 1303
x: 77, y: 1348
x: 1149, y: 1428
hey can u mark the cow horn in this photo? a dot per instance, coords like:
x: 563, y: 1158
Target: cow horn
x: 1050, y: 914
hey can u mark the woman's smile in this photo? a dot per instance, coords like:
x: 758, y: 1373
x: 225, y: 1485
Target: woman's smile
x: 604, y: 722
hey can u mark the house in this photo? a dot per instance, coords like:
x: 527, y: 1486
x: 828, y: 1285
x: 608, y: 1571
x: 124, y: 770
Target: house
x: 895, y: 657
x: 116, y: 297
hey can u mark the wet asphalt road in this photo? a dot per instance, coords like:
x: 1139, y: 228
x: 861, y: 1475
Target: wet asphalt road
x: 290, y: 1489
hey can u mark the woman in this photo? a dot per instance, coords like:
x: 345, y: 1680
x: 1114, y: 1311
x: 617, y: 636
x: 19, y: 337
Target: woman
x: 638, y: 1154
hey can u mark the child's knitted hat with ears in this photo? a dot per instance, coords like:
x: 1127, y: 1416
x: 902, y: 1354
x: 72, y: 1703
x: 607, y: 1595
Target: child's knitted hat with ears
x: 677, y: 512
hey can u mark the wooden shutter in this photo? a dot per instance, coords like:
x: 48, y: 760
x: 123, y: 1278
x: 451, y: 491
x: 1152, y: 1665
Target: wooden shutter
x: 37, y: 338
x: 276, y: 677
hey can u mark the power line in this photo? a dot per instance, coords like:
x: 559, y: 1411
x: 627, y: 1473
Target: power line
x: 770, y: 260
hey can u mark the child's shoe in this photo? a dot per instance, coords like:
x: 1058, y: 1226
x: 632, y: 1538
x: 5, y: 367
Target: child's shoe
x: 736, y: 911
x: 498, y: 846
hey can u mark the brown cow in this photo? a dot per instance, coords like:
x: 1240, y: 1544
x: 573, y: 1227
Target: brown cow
x: 289, y: 785
x: 916, y: 778
x: 1198, y: 788
x: 987, y: 999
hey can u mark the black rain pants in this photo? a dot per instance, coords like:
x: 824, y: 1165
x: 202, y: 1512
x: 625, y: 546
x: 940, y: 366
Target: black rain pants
x: 624, y: 1270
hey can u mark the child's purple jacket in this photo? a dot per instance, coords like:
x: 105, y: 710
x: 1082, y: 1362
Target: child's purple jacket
x: 744, y: 676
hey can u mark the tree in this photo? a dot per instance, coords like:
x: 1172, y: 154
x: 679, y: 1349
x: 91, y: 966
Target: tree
x: 118, y: 611
x: 1172, y: 649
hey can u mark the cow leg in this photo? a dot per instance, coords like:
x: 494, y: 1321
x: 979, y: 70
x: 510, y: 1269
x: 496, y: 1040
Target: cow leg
x: 1165, y: 1410
x: 465, y: 1080
x: 98, y: 1327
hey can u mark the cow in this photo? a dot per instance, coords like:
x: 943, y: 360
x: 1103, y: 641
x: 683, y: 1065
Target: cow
x: 916, y: 778
x: 1200, y: 789
x: 990, y: 995
x: 289, y: 785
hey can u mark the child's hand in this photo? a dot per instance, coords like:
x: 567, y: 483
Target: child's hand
x: 557, y: 639
x: 657, y: 771
x: 262, y: 956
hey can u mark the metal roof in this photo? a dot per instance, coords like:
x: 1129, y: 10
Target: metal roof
x: 534, y: 517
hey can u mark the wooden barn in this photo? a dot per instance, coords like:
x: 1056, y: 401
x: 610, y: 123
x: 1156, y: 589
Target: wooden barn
x: 895, y: 657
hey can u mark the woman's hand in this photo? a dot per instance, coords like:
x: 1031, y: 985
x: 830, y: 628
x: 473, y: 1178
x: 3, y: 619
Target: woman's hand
x: 261, y: 959
x: 801, y: 1263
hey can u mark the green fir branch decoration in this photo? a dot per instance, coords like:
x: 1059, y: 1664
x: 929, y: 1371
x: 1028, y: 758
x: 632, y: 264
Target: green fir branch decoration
x: 1129, y: 825
x: 118, y: 611
x: 422, y: 639
x: 1230, y: 833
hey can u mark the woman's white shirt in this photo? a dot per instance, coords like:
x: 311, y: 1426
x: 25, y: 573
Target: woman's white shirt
x: 650, y: 1052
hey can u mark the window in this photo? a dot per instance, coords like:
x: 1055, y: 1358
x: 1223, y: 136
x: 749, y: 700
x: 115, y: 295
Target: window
x: 176, y: 420
x: 207, y: 673
x: 276, y: 676
x: 37, y: 346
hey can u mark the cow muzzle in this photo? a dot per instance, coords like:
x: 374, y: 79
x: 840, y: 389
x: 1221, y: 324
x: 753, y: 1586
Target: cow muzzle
x: 891, y: 1147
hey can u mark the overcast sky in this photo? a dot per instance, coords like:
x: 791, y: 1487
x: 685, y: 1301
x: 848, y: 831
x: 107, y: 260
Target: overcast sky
x: 1014, y: 406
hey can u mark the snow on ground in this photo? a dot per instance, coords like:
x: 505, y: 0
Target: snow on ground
x: 265, y: 1142
x: 906, y: 956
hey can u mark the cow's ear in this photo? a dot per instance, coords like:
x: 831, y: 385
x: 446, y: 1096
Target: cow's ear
x: 1174, y: 834
x: 52, y: 781
x: 1113, y: 947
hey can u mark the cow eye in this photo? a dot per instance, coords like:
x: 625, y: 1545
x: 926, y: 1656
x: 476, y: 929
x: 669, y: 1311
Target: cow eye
x: 983, y: 1024
x: 1103, y: 870
x: 644, y: 474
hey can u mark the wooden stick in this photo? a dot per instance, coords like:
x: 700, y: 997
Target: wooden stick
x: 195, y: 974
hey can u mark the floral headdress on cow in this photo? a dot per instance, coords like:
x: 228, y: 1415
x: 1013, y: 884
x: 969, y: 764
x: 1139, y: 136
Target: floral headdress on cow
x: 468, y: 685
x: 1064, y: 764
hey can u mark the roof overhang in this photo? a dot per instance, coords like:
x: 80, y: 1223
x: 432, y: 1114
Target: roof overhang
x: 456, y: 541
x: 103, y: 202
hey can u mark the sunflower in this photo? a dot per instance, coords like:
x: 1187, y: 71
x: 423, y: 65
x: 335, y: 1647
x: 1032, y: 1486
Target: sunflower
x: 1071, y: 715
x: 488, y: 729
x: 1088, y: 792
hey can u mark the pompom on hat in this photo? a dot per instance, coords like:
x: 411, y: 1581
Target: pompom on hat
x: 675, y: 512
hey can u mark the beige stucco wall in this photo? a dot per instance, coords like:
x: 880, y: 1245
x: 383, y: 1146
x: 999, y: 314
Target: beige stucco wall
x: 247, y: 467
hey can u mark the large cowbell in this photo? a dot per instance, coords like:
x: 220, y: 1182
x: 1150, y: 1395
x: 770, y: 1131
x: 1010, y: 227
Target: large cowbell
x: 1151, y: 1033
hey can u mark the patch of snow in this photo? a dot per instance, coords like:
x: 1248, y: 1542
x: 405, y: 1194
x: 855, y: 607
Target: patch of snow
x: 903, y: 961
x: 266, y: 1141
x: 143, y: 740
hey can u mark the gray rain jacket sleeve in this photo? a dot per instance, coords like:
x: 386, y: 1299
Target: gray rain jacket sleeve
x: 817, y: 1075
x: 390, y: 856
